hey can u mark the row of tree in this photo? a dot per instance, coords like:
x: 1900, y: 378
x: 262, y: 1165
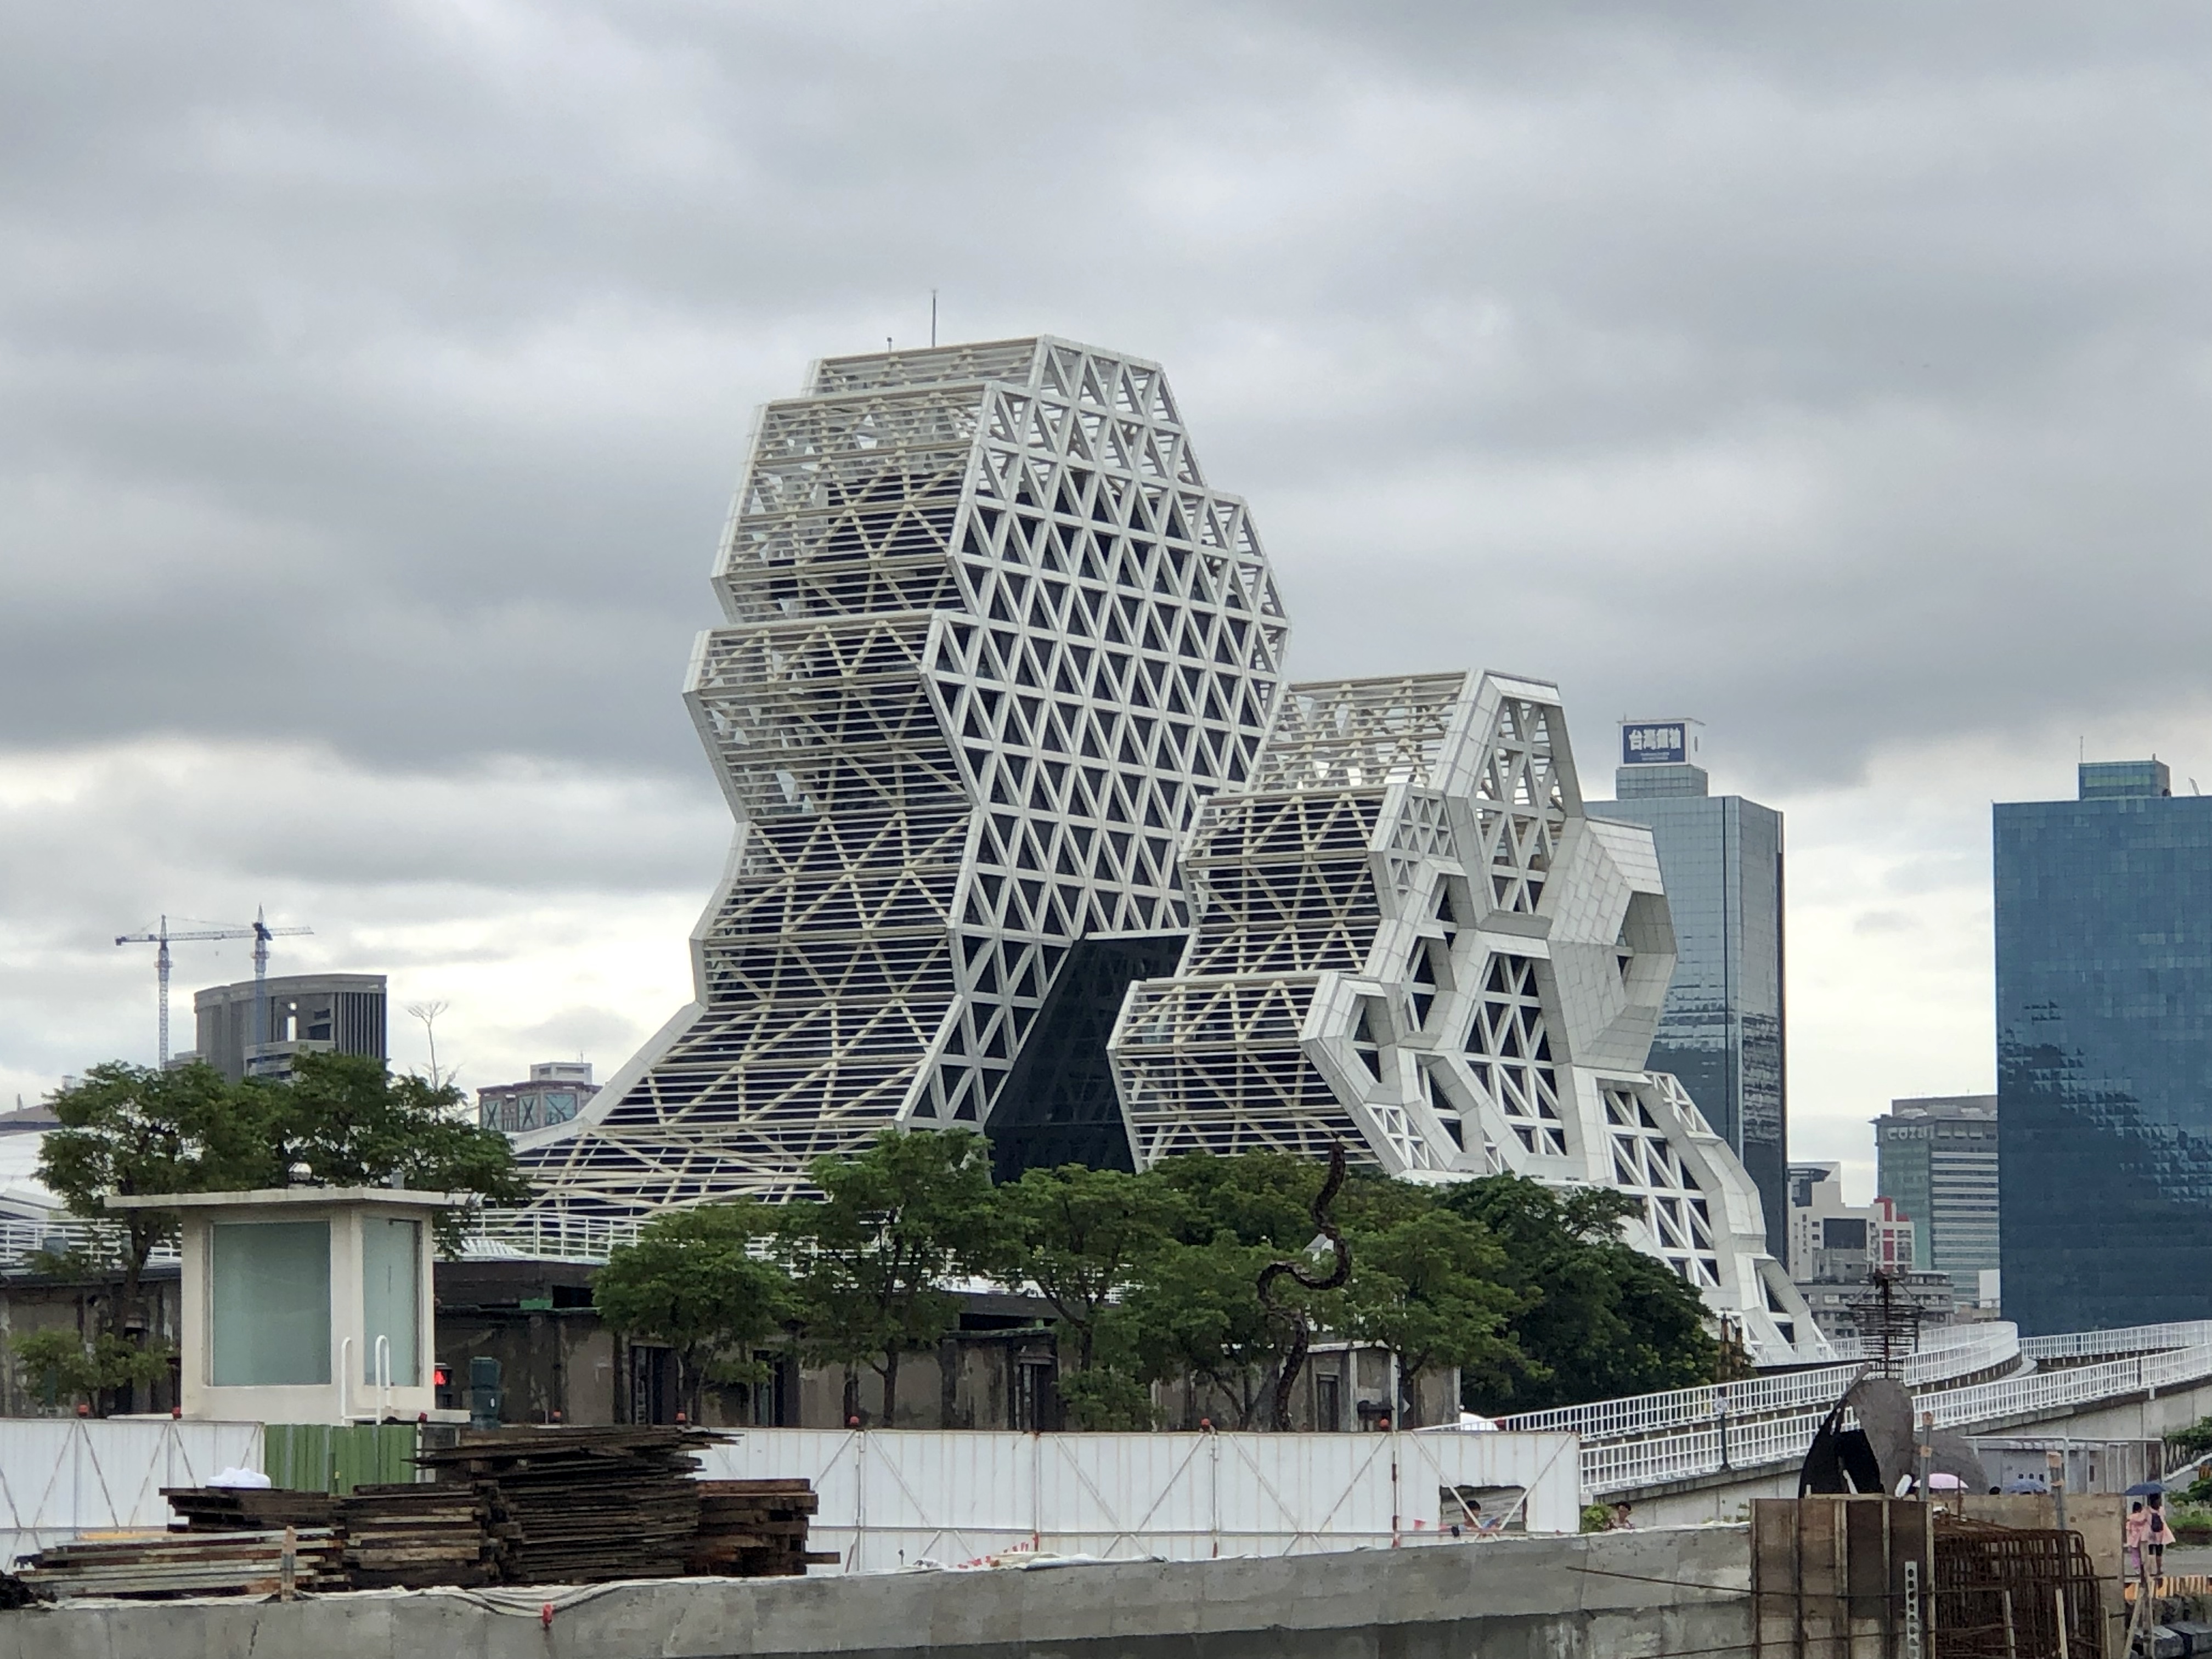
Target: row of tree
x: 1530, y: 1292
x: 1178, y: 1273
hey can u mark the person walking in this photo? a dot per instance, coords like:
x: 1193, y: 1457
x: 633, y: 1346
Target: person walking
x: 2136, y: 1534
x: 2156, y: 1536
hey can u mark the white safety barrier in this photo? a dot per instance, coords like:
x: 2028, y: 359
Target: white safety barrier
x: 1967, y: 1353
x: 20, y: 1240
x: 891, y: 1497
x: 1623, y: 1464
x: 534, y: 1235
x: 2130, y: 1339
x: 60, y: 1477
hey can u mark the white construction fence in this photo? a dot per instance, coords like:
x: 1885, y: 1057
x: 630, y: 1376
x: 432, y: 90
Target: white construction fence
x: 891, y: 1497
x: 63, y: 1477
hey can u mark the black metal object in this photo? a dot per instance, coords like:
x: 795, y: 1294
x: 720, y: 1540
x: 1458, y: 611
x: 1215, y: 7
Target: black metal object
x: 1299, y: 1320
x: 485, y: 1395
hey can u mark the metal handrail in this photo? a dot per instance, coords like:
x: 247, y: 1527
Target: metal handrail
x: 1650, y: 1414
x: 2131, y: 1339
x: 1619, y: 1465
x: 552, y: 1235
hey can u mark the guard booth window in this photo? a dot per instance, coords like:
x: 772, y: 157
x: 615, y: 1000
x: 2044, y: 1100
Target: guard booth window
x: 270, y: 1287
x: 392, y: 1301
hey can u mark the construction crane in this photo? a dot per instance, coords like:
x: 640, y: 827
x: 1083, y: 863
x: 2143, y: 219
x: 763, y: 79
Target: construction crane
x: 260, y: 933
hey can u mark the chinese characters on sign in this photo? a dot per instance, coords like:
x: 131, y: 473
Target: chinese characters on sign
x: 1655, y: 742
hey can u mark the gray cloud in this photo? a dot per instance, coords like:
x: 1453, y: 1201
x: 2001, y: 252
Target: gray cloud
x: 373, y: 380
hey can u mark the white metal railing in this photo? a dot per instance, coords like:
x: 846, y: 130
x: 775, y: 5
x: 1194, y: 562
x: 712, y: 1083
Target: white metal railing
x: 1650, y: 1414
x: 20, y: 1240
x: 554, y: 1236
x: 1620, y: 1464
x: 2132, y: 1339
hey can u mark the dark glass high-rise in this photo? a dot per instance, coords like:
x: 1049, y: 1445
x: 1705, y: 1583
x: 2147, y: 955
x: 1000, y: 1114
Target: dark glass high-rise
x: 2104, y: 1025
x: 1722, y: 1030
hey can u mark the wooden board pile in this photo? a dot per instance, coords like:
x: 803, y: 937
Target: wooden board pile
x: 188, y: 1563
x: 413, y: 1535
x: 755, y: 1530
x: 245, y: 1509
x: 586, y: 1505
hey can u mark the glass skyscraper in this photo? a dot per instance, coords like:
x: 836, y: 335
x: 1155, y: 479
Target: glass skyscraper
x: 1937, y: 1156
x: 2103, y: 1015
x: 1721, y: 1032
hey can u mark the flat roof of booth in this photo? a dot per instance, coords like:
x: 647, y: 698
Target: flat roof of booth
x: 264, y: 1197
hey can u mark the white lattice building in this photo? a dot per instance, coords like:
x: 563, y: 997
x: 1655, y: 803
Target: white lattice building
x: 990, y: 642
x: 1412, y: 940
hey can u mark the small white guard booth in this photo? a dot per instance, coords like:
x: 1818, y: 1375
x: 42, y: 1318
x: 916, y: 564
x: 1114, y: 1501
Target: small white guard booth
x: 304, y: 1304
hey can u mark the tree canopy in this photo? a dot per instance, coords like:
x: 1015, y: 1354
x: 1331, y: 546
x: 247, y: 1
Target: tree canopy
x: 696, y: 1281
x: 1596, y: 1318
x: 871, y: 1260
x: 1531, y: 1292
x: 133, y: 1131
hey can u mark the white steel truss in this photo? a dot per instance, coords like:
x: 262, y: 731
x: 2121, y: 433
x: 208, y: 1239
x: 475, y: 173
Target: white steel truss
x: 1410, y: 938
x: 992, y: 641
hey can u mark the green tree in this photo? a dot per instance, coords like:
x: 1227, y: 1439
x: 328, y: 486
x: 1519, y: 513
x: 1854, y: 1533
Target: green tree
x: 130, y: 1130
x: 66, y: 1368
x: 870, y: 1259
x: 354, y: 1123
x: 1195, y: 1311
x: 1081, y: 1236
x: 1195, y: 1308
x: 1598, y: 1318
x: 693, y: 1282
x: 1429, y: 1285
x: 1255, y: 1198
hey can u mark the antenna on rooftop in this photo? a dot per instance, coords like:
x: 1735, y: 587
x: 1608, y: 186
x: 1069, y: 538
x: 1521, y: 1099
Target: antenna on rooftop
x: 932, y: 319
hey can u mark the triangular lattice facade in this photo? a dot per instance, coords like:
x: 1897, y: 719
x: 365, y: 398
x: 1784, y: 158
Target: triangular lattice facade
x: 1411, y: 939
x: 992, y: 642
x: 1000, y: 674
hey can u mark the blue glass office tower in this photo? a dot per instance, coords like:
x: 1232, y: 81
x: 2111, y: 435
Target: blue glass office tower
x: 1721, y: 1032
x: 2103, y: 947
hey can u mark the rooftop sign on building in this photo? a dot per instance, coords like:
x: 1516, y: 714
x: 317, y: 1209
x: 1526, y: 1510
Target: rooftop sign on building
x: 1658, y: 743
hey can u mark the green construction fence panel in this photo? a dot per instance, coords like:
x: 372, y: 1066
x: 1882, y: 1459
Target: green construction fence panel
x: 337, y: 1457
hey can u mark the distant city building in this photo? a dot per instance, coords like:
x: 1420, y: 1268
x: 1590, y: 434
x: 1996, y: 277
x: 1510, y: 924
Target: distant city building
x: 305, y: 1013
x: 556, y: 1088
x: 1830, y: 1239
x: 2104, y: 1022
x: 1937, y: 1157
x: 1836, y: 1249
x: 1721, y: 1032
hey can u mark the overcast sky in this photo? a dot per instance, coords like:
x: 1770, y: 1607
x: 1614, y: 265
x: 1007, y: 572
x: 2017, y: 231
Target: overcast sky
x: 373, y: 379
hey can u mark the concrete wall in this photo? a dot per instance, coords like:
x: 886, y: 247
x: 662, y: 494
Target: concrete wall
x: 1652, y: 1594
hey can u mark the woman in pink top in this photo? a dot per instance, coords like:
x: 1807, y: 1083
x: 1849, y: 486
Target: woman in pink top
x: 2137, y: 1536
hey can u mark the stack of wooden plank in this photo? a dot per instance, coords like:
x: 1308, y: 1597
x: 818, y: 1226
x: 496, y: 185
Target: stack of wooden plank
x: 245, y: 1509
x: 586, y: 1505
x: 188, y: 1563
x: 411, y: 1535
x: 754, y: 1529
